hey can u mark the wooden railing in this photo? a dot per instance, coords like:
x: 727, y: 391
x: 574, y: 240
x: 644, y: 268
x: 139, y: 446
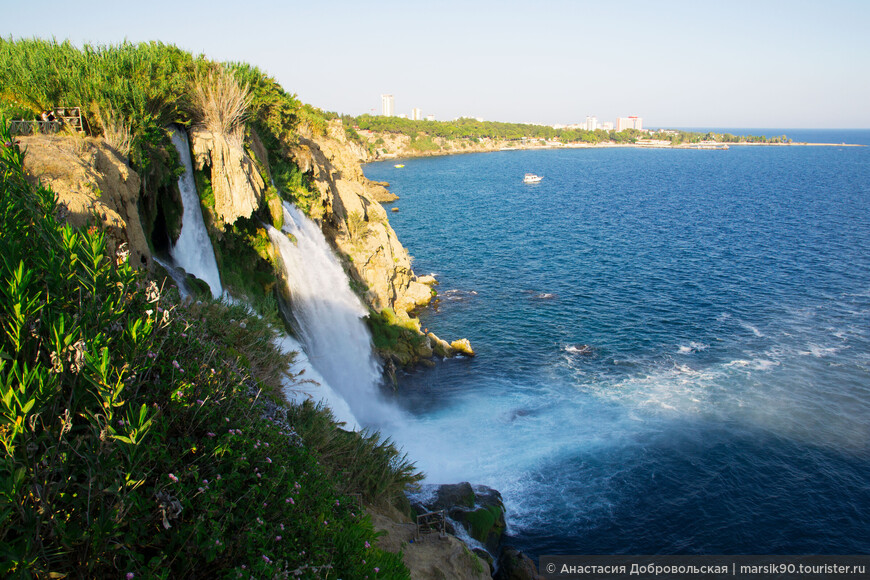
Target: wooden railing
x: 432, y: 522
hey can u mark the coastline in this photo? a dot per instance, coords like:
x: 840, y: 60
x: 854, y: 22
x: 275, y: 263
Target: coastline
x: 461, y: 146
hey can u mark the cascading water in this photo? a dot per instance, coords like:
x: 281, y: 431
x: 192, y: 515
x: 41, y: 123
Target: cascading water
x: 193, y: 250
x: 329, y: 319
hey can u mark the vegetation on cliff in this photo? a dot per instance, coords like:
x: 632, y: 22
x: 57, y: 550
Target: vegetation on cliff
x: 422, y: 132
x: 148, y: 437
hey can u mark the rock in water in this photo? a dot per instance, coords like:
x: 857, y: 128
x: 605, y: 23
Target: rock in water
x: 463, y: 346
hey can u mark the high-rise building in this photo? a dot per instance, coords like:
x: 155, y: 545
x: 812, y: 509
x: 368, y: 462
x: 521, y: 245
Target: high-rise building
x: 631, y: 122
x: 387, y: 105
x: 591, y: 123
x: 416, y: 114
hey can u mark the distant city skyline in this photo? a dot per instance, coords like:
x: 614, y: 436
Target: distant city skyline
x: 680, y: 63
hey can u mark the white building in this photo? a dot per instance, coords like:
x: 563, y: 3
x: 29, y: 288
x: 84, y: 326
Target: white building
x: 416, y: 114
x: 632, y: 122
x: 592, y: 123
x: 430, y: 117
x: 607, y: 126
x: 387, y: 105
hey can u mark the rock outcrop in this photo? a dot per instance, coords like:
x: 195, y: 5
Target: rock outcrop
x: 514, y: 565
x: 428, y: 557
x: 237, y: 185
x: 93, y: 184
x: 478, y: 509
x: 357, y: 223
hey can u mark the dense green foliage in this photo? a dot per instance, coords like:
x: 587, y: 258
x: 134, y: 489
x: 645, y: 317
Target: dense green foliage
x: 146, y: 438
x: 142, y: 87
x: 466, y: 128
x: 130, y: 93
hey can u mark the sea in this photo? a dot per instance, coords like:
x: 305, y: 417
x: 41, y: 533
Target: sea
x: 673, y: 346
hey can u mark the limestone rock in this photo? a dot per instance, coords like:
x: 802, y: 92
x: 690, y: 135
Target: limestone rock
x: 441, y: 347
x: 463, y: 345
x: 378, y: 259
x: 428, y: 557
x: 416, y: 295
x: 236, y: 183
x: 93, y: 182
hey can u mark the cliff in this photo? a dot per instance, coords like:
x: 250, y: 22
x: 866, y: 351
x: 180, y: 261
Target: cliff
x: 94, y: 185
x: 357, y: 224
x: 384, y: 145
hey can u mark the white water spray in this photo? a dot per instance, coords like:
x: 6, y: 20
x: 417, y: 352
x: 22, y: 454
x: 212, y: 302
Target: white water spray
x: 193, y: 250
x: 329, y: 319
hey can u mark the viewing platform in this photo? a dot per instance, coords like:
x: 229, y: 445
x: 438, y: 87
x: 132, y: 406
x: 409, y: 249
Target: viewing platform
x: 70, y: 117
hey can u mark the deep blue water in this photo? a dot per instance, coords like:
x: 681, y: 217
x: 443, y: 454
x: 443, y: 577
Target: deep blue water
x: 673, y: 345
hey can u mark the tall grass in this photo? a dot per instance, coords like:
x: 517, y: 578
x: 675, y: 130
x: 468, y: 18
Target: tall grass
x: 220, y: 102
x: 116, y: 130
x: 144, y: 84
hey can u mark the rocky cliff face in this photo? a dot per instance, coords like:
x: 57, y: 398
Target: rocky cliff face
x: 357, y: 223
x: 237, y: 185
x: 94, y: 185
x: 392, y: 145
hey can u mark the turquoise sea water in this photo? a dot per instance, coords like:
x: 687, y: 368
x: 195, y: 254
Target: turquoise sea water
x: 673, y: 345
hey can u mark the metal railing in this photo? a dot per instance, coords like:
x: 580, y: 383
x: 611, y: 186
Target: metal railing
x: 70, y: 117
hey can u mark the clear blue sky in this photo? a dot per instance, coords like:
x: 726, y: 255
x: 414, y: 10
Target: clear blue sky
x: 722, y: 63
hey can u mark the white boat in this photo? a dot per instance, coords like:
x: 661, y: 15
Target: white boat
x: 532, y: 178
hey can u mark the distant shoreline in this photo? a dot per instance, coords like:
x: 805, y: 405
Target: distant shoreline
x: 711, y: 146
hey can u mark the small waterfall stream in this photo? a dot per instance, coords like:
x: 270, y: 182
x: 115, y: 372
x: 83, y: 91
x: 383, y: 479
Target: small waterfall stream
x: 193, y: 250
x: 328, y: 316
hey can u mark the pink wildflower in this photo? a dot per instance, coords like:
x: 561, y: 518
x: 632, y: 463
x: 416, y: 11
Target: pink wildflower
x: 173, y: 478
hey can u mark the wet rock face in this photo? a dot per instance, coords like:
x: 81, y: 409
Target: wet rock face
x: 361, y: 229
x: 478, y: 509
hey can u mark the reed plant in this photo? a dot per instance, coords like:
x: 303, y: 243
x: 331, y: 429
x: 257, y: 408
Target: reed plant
x: 219, y: 102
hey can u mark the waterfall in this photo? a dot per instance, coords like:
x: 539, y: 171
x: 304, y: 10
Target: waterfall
x: 193, y: 250
x: 328, y: 316
x: 307, y: 383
